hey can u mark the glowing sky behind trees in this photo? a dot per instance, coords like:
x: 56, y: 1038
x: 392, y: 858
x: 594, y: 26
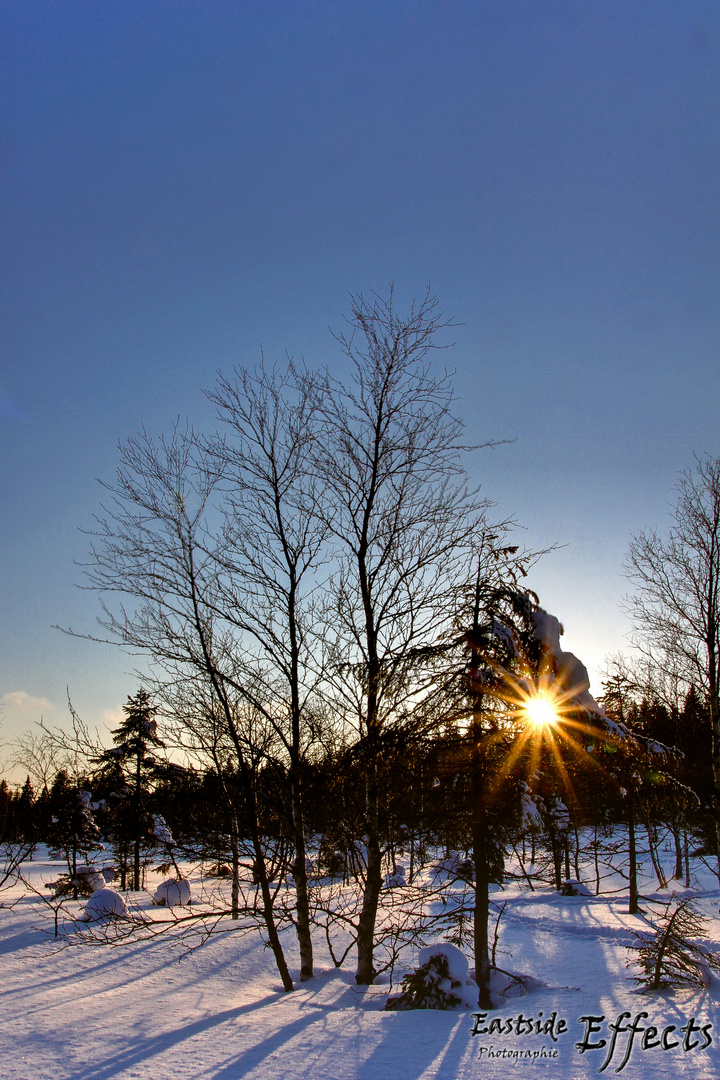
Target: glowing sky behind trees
x: 185, y: 183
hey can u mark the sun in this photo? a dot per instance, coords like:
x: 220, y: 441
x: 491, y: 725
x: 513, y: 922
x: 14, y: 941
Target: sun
x: 540, y: 711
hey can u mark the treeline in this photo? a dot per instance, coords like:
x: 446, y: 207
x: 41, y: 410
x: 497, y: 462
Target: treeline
x: 426, y: 809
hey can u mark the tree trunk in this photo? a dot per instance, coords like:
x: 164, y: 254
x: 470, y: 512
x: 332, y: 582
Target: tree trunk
x: 655, y: 858
x: 302, y: 905
x: 714, y: 701
x: 248, y: 789
x: 481, y: 857
x: 678, y: 851
x: 273, y: 939
x: 136, y: 860
x: 235, y: 849
x: 267, y: 904
x: 482, y: 900
x: 557, y: 854
x: 633, y: 905
x: 74, y: 870
x: 366, y: 926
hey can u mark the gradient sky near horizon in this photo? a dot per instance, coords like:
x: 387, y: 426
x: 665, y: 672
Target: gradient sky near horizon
x: 184, y: 183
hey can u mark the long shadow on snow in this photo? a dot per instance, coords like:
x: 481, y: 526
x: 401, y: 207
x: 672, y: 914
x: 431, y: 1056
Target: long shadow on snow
x: 390, y: 1056
x: 434, y: 1036
x: 95, y: 961
x: 445, y: 1041
x: 418, y: 1039
x: 144, y: 1049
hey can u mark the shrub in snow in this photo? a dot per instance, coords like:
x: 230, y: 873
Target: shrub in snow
x: 172, y: 893
x: 574, y: 888
x: 331, y: 862
x: 439, y: 982
x: 509, y: 984
x: 104, y: 904
x: 219, y: 870
x: 668, y: 957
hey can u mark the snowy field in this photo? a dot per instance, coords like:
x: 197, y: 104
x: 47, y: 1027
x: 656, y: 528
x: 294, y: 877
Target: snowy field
x: 151, y: 1010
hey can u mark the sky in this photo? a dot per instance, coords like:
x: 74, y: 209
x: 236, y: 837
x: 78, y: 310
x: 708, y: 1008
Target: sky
x: 183, y: 184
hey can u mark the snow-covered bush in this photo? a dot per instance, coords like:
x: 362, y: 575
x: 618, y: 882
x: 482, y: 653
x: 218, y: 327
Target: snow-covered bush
x: 530, y: 810
x: 160, y: 831
x: 84, y: 883
x: 439, y: 982
x: 558, y: 815
x: 172, y: 893
x: 457, y: 961
x: 94, y: 878
x: 104, y: 904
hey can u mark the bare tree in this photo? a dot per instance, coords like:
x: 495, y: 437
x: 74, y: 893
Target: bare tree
x: 273, y: 543
x: 47, y: 751
x: 676, y: 608
x: 403, y: 522
x: 38, y: 754
x: 155, y: 547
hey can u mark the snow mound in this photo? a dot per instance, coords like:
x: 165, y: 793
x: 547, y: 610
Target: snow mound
x: 455, y: 867
x: 172, y: 893
x: 457, y: 961
x: 104, y: 904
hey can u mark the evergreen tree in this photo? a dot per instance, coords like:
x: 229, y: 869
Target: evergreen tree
x: 128, y: 769
x: 72, y: 830
x: 23, y: 816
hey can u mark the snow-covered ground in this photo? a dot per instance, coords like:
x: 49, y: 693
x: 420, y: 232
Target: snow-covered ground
x: 151, y: 1010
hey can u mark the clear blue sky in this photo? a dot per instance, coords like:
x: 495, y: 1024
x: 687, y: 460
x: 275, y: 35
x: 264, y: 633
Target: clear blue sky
x: 182, y: 183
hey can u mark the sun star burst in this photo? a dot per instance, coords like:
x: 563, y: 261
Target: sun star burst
x: 540, y: 711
